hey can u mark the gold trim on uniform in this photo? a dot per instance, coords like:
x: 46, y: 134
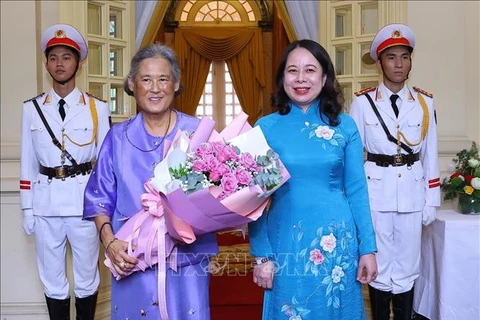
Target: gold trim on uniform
x: 425, y: 123
x: 428, y: 94
x: 31, y: 99
x: 359, y: 93
x: 93, y: 111
x: 48, y: 99
x: 94, y: 96
x: 378, y: 94
x: 81, y: 99
x: 410, y: 96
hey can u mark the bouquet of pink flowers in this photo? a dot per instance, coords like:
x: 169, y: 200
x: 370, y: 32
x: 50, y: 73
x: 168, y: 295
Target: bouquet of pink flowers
x: 206, y: 183
x: 223, y: 164
x: 217, y: 181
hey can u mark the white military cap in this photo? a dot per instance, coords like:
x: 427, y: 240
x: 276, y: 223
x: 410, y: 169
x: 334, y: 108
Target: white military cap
x: 64, y: 35
x: 390, y: 36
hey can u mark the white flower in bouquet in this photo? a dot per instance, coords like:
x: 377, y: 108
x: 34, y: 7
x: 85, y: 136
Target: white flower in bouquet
x: 473, y: 163
x: 475, y: 183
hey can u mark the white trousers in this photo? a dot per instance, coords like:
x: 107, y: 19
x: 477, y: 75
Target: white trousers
x: 51, y: 234
x: 398, y: 237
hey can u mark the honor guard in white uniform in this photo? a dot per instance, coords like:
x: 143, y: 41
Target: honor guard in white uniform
x: 62, y: 132
x: 398, y: 129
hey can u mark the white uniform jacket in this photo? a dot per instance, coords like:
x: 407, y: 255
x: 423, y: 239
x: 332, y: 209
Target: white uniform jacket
x: 402, y: 188
x: 57, y: 197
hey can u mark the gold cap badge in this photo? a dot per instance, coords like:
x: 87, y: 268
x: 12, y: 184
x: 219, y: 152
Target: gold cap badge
x: 60, y: 34
x: 396, y: 34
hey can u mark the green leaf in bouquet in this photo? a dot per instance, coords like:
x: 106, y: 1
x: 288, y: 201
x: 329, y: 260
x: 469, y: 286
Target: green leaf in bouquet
x: 455, y: 182
x: 180, y: 171
x: 477, y: 173
x: 272, y: 155
x: 263, y: 161
x: 476, y: 194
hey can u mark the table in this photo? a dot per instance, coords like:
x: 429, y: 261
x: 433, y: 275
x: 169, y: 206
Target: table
x: 448, y: 287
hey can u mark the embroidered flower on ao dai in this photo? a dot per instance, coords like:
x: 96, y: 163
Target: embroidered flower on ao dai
x: 328, y: 243
x: 337, y: 274
x: 316, y: 256
x: 324, y: 132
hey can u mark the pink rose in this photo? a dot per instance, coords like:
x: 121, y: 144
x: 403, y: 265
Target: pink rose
x: 199, y: 166
x: 247, y: 160
x: 219, y: 171
x: 226, y: 154
x: 243, y: 176
x: 229, y: 183
x: 316, y: 256
x: 222, y: 169
x: 214, y: 176
x: 203, y: 149
x: 211, y: 162
x: 218, y: 146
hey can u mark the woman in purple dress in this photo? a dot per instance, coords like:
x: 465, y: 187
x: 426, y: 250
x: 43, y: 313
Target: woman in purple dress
x: 126, y: 161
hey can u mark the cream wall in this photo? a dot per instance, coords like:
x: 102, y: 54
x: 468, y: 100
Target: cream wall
x: 22, y: 76
x: 446, y: 62
x: 21, y: 291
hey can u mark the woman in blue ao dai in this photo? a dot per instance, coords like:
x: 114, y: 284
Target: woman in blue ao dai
x: 317, y: 236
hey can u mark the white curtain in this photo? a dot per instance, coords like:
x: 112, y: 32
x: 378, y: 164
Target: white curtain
x: 304, y: 17
x: 143, y: 14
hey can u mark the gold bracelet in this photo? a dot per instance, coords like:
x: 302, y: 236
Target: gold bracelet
x: 109, y: 244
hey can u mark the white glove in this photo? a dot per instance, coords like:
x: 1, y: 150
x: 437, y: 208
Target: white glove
x: 28, y: 222
x: 428, y: 215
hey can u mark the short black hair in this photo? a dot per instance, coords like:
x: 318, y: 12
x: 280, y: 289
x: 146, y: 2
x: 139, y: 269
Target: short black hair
x: 75, y: 52
x: 410, y: 50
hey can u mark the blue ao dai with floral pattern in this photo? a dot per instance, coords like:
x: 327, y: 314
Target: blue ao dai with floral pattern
x: 319, y: 221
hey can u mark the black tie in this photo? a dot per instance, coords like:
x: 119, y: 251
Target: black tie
x: 61, y: 109
x: 394, y: 98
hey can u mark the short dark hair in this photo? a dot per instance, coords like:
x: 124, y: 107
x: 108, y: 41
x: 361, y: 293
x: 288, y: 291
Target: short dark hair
x: 155, y: 50
x: 410, y: 50
x: 75, y: 52
x: 331, y: 96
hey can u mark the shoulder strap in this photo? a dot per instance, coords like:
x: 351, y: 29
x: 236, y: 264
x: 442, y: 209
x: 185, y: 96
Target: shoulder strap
x: 50, y: 132
x: 384, y: 126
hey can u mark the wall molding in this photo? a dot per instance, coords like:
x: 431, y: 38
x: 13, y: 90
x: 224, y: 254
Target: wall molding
x: 448, y: 146
x: 10, y: 150
x: 24, y: 309
x: 36, y: 310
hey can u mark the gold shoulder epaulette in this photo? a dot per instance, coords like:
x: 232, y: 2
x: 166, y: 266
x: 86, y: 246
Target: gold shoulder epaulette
x: 428, y: 94
x: 31, y: 99
x: 94, y: 96
x: 359, y: 93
